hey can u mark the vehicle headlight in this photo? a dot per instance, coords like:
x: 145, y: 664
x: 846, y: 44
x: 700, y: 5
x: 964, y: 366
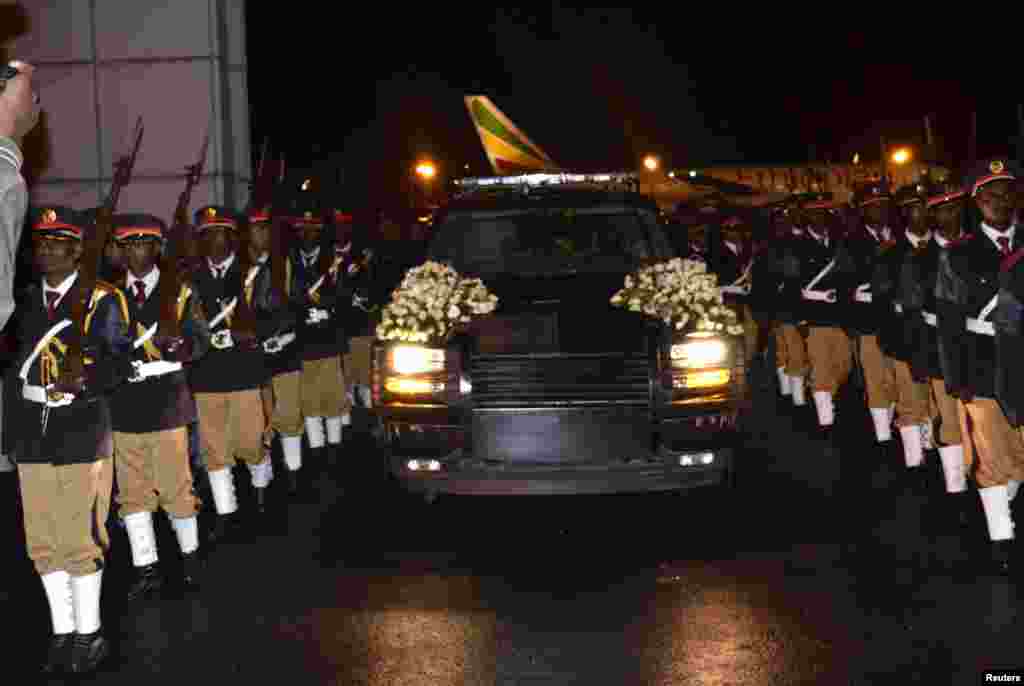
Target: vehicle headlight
x: 415, y: 359
x: 699, y: 352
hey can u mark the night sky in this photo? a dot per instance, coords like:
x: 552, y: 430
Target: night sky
x: 596, y: 88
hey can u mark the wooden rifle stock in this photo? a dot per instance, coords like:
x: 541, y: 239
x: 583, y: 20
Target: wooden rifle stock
x: 92, y: 257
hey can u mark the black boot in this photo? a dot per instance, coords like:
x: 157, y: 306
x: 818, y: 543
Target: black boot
x: 149, y: 582
x: 227, y: 529
x: 88, y: 651
x: 191, y: 570
x: 58, y: 655
x: 1000, y: 561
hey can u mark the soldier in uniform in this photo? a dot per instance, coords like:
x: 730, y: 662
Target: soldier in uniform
x: 151, y: 414
x: 74, y: 347
x: 872, y: 230
x: 227, y: 380
x: 730, y: 258
x: 283, y: 353
x: 895, y: 337
x: 823, y: 283
x: 775, y: 306
x: 321, y: 291
x: 966, y: 293
x: 945, y: 208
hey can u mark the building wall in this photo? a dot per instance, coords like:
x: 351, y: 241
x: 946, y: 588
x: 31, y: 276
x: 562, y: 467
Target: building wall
x: 181, y: 64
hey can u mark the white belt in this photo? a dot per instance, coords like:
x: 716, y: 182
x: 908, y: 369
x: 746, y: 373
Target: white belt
x: 898, y: 308
x: 39, y: 394
x: 819, y: 296
x: 736, y: 290
x: 863, y: 294
x: 149, y: 370
x: 981, y: 326
x: 278, y: 343
x: 930, y: 319
x: 317, y: 315
x: 222, y: 340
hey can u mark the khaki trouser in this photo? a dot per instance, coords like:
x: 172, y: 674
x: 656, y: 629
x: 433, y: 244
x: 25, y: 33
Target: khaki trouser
x: 913, y: 399
x: 877, y: 374
x: 947, y: 409
x: 828, y: 348
x: 287, y: 417
x: 791, y: 350
x: 357, y: 362
x: 153, y: 471
x: 323, y: 388
x: 991, y: 445
x: 231, y: 427
x: 66, y: 512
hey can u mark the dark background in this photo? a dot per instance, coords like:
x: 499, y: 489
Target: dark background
x: 598, y: 88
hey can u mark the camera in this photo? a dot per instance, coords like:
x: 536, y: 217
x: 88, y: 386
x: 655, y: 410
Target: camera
x: 8, y: 73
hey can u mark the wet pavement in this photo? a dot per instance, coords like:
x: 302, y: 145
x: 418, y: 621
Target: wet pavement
x: 801, y: 575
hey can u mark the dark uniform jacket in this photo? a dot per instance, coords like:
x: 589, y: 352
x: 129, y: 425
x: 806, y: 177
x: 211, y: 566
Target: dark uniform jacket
x: 887, y: 297
x: 322, y: 315
x: 865, y: 315
x: 775, y: 267
x: 236, y: 368
x: 79, y: 432
x: 811, y: 259
x: 162, y: 402
x: 917, y: 290
x: 279, y: 317
x: 1008, y: 319
x: 968, y: 279
x: 732, y: 272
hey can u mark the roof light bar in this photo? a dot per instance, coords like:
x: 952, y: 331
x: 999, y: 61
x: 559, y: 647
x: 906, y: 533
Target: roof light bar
x: 547, y: 179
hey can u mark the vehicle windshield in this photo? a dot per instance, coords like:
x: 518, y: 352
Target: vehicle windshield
x: 545, y: 240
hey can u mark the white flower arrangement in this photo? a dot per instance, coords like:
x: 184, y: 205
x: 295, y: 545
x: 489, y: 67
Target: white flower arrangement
x: 679, y: 292
x: 431, y: 302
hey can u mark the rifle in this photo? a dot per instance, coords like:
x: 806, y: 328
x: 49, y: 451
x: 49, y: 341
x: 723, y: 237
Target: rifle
x: 92, y: 257
x: 179, y: 249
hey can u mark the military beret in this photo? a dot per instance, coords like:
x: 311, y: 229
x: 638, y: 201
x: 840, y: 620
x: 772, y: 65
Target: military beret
x: 943, y: 198
x: 260, y: 214
x: 213, y: 216
x: 989, y: 170
x: 58, y: 222
x: 136, y: 227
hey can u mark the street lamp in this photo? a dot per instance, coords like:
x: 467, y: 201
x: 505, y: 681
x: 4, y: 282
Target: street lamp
x: 426, y: 170
x: 651, y: 163
x: 901, y: 156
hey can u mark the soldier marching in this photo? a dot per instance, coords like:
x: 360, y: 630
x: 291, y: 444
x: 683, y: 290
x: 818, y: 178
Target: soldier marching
x: 127, y: 342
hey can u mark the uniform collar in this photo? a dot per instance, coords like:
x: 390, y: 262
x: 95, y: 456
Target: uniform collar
x: 263, y: 258
x: 823, y: 239
x: 226, y: 264
x: 149, y: 281
x: 918, y: 241
x: 993, y: 234
x: 309, y: 257
x: 878, y: 234
x: 940, y: 241
x: 62, y: 288
x: 732, y: 246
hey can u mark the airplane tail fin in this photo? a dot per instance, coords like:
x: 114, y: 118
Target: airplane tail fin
x: 508, y: 149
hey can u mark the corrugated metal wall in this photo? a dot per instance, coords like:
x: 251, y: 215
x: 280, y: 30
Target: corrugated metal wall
x: 181, y: 64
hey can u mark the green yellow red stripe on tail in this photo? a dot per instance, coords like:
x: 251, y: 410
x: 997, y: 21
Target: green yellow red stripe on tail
x: 508, y: 149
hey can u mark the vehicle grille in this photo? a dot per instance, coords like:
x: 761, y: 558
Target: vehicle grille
x: 520, y: 380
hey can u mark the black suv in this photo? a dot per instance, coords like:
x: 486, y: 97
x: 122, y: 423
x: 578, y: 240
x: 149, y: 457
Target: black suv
x: 558, y: 391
